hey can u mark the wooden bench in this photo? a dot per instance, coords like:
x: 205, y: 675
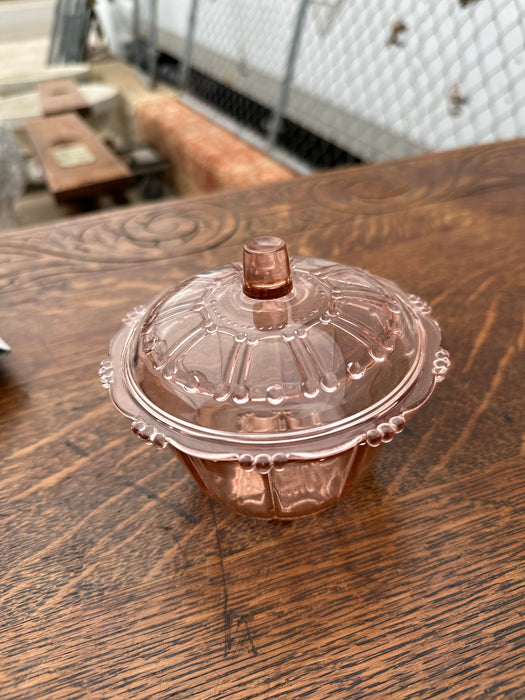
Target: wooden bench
x: 76, y: 163
x: 59, y: 96
x: 205, y: 156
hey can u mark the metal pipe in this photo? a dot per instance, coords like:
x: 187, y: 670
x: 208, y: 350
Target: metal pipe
x: 136, y: 31
x: 188, y: 45
x: 284, y: 87
x: 153, y: 42
x: 51, y: 50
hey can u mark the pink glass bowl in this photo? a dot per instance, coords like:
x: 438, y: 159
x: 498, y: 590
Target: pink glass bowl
x: 275, y: 382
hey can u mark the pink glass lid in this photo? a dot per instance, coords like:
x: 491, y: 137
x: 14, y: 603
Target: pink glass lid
x: 301, y: 360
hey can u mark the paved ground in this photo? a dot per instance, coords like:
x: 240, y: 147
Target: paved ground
x: 25, y: 19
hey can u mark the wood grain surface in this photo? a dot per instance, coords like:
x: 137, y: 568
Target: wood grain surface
x: 106, y: 172
x: 120, y: 579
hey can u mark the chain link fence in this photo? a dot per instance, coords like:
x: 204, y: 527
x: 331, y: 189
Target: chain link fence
x: 335, y: 81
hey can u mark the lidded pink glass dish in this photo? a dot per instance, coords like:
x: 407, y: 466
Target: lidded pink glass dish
x: 275, y: 382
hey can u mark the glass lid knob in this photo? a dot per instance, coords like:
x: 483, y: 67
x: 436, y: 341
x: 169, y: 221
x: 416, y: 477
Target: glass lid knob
x: 266, y: 268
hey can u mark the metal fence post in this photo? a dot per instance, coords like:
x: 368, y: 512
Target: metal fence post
x: 56, y: 32
x: 284, y: 87
x: 188, y: 45
x: 152, y: 44
x: 136, y: 32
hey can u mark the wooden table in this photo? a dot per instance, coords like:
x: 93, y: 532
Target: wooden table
x: 100, y: 172
x: 59, y: 96
x: 120, y: 579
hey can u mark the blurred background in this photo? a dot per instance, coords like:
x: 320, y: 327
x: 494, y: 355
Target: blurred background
x: 312, y: 84
x: 344, y: 79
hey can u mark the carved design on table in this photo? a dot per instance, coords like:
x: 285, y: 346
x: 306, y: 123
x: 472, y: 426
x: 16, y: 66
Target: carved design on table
x: 391, y: 187
x: 366, y: 203
x: 134, y: 235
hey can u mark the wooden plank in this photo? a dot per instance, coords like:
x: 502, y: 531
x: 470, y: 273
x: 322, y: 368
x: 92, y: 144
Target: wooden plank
x: 121, y: 580
x: 59, y: 96
x: 52, y: 137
